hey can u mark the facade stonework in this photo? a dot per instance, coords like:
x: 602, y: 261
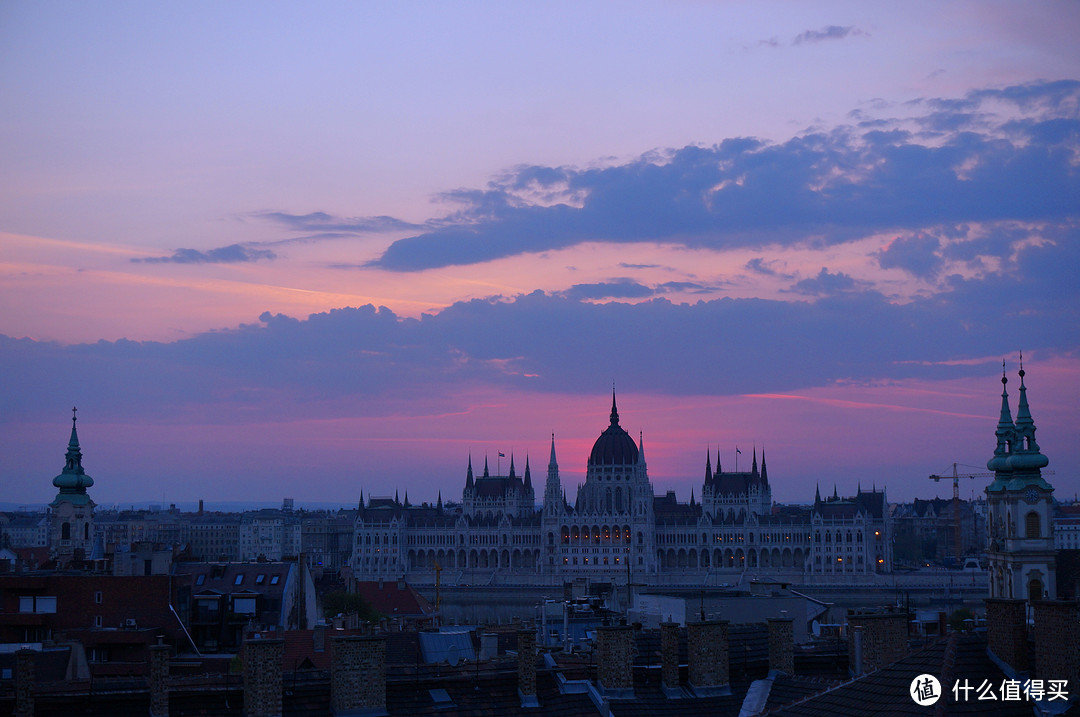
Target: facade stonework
x: 707, y: 645
x: 884, y: 638
x: 615, y: 658
x: 1057, y: 641
x: 1006, y: 631
x: 263, y: 677
x: 782, y: 645
x: 159, y: 680
x: 358, y: 675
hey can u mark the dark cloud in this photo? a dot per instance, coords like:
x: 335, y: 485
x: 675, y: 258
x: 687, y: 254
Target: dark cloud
x: 332, y: 363
x: 918, y: 254
x: 834, y: 186
x: 830, y: 32
x: 826, y: 284
x: 759, y: 265
x: 621, y: 288
x: 231, y: 254
x: 323, y: 222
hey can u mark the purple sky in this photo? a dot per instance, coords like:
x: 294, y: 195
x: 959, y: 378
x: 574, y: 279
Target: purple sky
x: 817, y: 227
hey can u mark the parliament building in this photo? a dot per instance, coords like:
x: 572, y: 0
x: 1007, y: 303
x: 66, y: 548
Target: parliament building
x: 618, y: 528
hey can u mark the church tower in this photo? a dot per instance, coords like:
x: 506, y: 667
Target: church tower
x: 1021, y: 550
x: 71, y: 519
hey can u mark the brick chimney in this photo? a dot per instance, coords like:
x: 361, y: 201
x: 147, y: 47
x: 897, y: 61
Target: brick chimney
x: 262, y: 676
x: 669, y: 658
x: 615, y: 661
x: 1006, y: 631
x: 707, y: 644
x: 159, y: 680
x: 24, y: 683
x: 358, y: 675
x: 527, y: 668
x: 781, y: 645
x: 884, y: 638
x: 1057, y: 640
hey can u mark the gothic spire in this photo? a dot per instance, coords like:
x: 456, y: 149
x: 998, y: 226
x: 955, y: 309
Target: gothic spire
x: 753, y: 468
x: 614, y: 408
x: 764, y: 470
x: 511, y: 464
x: 552, y: 463
x: 469, y: 475
x: 708, y: 467
x: 528, y: 477
x: 486, y: 474
x: 438, y: 505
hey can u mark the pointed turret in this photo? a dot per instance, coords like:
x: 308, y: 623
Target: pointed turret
x: 469, y: 476
x: 512, y: 473
x: 692, y: 498
x: 764, y: 470
x: 1026, y: 457
x: 708, y: 468
x: 438, y: 504
x: 486, y: 474
x: 554, y: 498
x: 528, y: 477
x: 753, y: 466
x: 719, y: 470
x: 406, y: 498
x: 361, y: 505
x: 614, y: 409
x: 396, y: 502
x: 641, y: 448
x: 817, y: 493
x: 1006, y: 430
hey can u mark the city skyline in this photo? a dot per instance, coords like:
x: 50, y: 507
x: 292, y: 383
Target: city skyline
x: 302, y: 252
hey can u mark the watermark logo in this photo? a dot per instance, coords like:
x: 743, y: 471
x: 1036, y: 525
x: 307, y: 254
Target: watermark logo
x: 925, y: 690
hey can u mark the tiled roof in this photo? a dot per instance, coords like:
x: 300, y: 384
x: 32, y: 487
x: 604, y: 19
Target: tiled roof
x: 885, y: 692
x: 392, y: 598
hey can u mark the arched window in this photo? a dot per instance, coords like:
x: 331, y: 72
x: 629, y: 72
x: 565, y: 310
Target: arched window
x: 1031, y: 525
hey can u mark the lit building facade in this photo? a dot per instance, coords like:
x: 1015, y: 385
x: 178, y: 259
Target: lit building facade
x: 617, y: 528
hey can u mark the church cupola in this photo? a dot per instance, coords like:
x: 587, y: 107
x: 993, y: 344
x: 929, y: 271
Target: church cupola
x: 73, y: 480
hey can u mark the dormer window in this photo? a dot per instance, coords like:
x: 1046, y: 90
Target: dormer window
x: 239, y: 579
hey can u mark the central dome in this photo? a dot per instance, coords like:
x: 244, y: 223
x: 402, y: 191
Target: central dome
x: 614, y: 446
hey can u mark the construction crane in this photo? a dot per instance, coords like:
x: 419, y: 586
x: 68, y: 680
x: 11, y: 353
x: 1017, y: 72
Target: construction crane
x: 955, y: 477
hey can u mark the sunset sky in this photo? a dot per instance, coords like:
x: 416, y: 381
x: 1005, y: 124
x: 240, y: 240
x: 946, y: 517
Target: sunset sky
x: 303, y: 250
